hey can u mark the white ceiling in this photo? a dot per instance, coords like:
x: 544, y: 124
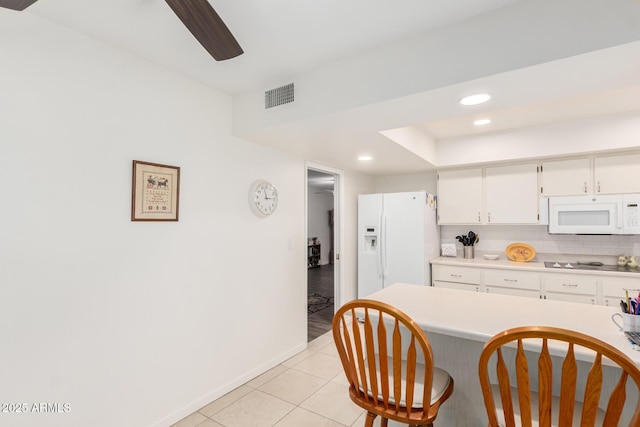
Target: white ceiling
x: 280, y: 38
x: 283, y: 39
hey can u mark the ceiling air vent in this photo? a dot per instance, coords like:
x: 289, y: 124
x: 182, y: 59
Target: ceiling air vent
x: 278, y: 96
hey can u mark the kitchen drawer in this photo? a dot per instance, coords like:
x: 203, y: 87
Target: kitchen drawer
x: 445, y: 273
x: 570, y: 284
x: 559, y: 296
x: 616, y: 287
x: 512, y: 279
x: 516, y: 292
x: 455, y: 285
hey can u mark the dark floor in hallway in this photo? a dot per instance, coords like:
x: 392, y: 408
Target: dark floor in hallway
x: 320, y: 300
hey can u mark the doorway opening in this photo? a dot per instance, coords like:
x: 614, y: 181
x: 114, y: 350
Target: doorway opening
x: 322, y: 249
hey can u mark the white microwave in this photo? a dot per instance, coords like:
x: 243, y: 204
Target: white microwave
x: 608, y: 214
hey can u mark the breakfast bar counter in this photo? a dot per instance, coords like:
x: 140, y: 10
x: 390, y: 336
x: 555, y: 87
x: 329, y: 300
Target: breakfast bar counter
x: 458, y: 323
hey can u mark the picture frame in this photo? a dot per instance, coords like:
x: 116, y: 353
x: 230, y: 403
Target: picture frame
x: 155, y: 193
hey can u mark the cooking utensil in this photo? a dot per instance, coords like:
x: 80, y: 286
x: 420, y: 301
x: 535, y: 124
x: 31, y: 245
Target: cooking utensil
x: 469, y: 240
x: 594, y: 263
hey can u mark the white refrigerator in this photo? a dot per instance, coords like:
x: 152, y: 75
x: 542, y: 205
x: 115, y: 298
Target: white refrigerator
x: 397, y: 236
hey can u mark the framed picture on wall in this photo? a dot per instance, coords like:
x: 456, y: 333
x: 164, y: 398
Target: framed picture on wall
x: 155, y: 194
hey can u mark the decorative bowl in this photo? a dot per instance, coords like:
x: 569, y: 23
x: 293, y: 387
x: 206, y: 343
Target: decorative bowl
x: 520, y: 252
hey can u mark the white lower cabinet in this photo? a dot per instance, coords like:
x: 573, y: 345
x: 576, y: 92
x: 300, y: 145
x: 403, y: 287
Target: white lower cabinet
x: 477, y: 279
x: 570, y: 287
x: 457, y: 285
x: 511, y: 291
x: 580, y: 288
x: 463, y: 278
x: 509, y: 282
x: 613, y: 289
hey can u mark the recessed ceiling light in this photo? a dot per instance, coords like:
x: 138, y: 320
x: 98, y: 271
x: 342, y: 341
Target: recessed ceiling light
x: 482, y: 122
x: 476, y: 99
x: 365, y: 158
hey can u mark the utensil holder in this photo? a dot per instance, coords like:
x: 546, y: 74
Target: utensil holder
x: 468, y: 252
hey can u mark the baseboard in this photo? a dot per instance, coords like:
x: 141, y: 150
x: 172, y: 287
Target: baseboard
x: 226, y: 388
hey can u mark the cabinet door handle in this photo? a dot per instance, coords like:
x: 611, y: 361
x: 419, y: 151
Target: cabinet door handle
x: 598, y: 186
x: 456, y: 275
x: 479, y: 219
x: 570, y: 285
x: 511, y: 280
x: 489, y: 217
x: 585, y: 186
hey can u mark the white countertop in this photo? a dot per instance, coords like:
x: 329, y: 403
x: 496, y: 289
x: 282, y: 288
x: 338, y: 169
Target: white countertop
x: 478, y: 316
x: 504, y: 263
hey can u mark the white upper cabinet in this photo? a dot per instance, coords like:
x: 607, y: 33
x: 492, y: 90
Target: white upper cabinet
x: 617, y: 174
x: 511, y: 194
x: 566, y: 177
x: 460, y: 196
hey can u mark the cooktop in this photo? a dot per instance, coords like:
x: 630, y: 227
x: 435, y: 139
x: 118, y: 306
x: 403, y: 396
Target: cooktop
x: 596, y: 266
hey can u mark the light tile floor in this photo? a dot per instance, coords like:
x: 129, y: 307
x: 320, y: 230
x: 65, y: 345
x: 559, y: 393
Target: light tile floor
x: 307, y: 390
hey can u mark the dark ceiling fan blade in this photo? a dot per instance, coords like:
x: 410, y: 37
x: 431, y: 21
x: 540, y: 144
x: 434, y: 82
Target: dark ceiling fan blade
x: 16, y: 4
x: 207, y: 27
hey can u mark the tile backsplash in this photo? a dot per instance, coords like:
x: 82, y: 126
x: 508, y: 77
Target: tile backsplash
x: 495, y: 238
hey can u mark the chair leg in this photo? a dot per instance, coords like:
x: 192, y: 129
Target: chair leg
x: 384, y: 422
x: 370, y: 418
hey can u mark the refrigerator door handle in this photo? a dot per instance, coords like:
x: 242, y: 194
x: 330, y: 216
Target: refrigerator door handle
x: 380, y: 244
x: 384, y: 245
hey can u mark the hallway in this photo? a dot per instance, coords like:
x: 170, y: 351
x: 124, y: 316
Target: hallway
x: 320, y: 304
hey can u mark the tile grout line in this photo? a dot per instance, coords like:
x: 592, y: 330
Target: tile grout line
x: 316, y: 349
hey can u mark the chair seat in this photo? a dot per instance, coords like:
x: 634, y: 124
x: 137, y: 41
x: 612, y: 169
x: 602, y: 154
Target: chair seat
x: 534, y: 408
x: 441, y: 380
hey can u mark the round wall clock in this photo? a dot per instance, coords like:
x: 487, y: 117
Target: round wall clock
x: 263, y: 198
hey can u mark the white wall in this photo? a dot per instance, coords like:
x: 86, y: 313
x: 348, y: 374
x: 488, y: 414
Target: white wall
x: 133, y: 324
x: 354, y: 184
x: 425, y: 181
x: 496, y: 238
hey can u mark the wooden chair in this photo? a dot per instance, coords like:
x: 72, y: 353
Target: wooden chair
x: 565, y: 409
x: 389, y: 364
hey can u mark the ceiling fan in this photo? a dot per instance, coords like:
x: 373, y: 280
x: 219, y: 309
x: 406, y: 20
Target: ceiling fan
x: 199, y: 18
